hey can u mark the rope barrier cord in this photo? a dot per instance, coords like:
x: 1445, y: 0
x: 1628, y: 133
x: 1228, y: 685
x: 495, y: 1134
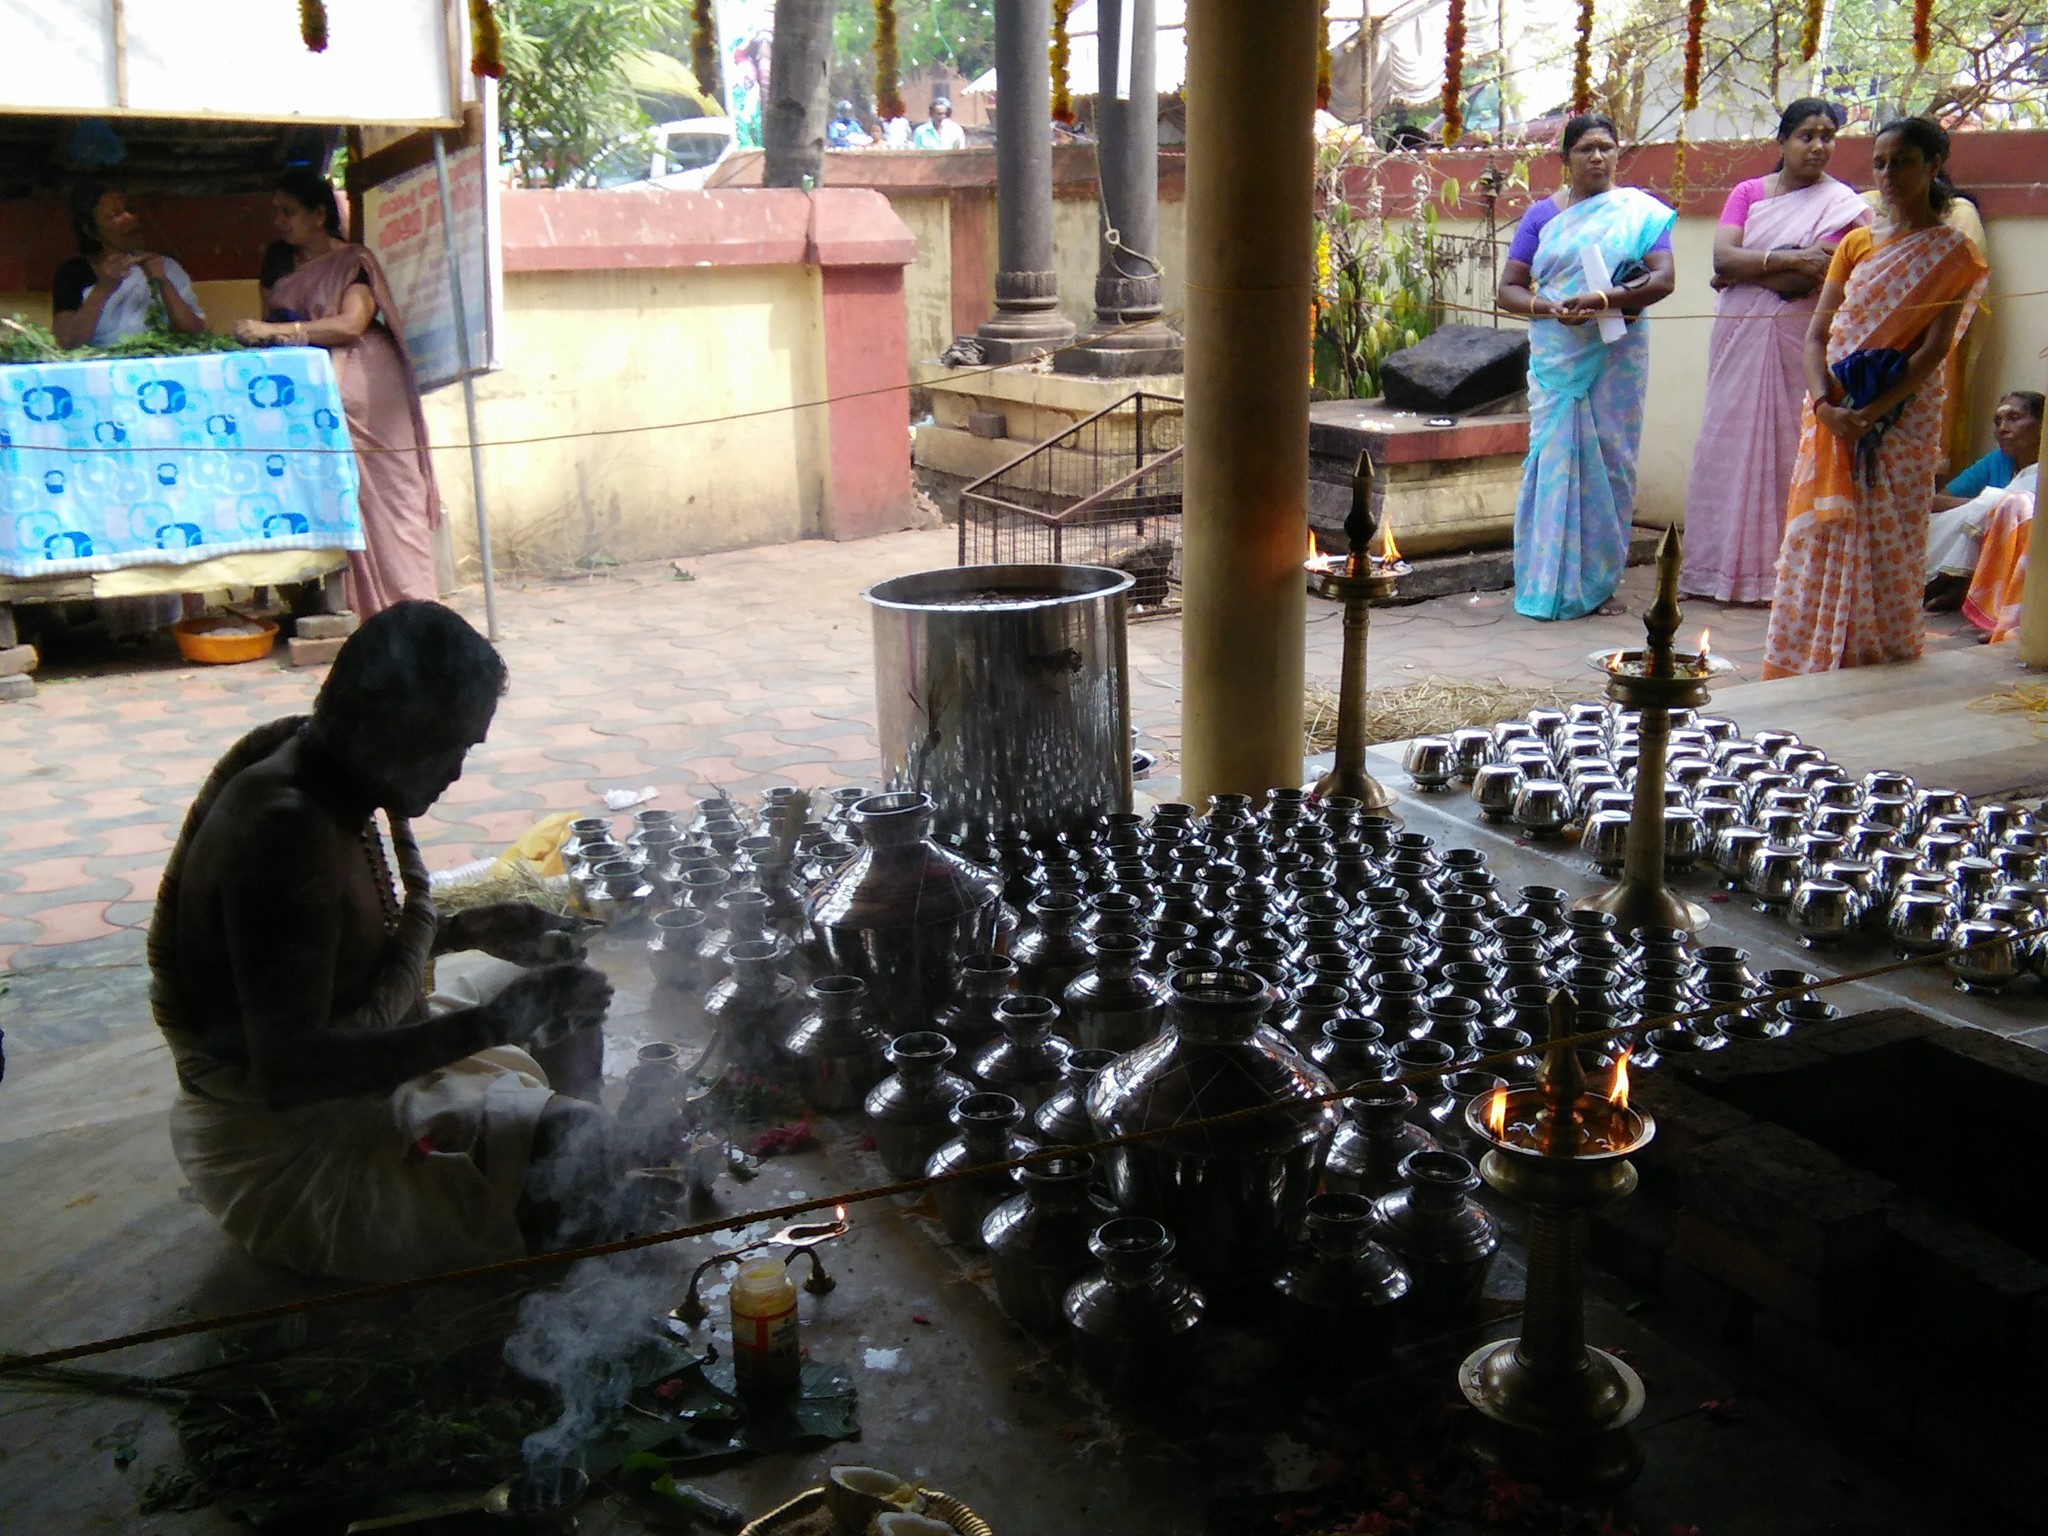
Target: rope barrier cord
x: 1169, y: 316
x: 12, y: 1364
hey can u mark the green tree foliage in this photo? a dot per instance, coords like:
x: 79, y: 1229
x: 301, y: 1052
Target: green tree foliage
x: 1381, y: 284
x: 565, y: 97
x: 1988, y: 67
x: 957, y: 33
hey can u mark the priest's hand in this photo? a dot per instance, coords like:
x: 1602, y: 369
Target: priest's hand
x: 515, y: 931
x: 547, y: 1005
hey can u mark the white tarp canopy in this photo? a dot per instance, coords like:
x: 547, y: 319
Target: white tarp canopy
x: 1408, y: 62
x: 1170, y: 60
x: 387, y: 61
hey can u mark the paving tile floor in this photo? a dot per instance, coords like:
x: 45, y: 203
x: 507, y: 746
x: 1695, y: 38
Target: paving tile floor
x: 757, y: 670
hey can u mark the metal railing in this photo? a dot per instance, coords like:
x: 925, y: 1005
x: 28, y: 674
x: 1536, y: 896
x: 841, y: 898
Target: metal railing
x: 1105, y: 491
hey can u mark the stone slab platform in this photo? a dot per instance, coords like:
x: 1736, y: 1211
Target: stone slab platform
x: 1924, y: 717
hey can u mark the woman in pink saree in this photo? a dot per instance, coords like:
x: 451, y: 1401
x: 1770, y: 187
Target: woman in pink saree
x: 321, y: 291
x: 1771, y: 254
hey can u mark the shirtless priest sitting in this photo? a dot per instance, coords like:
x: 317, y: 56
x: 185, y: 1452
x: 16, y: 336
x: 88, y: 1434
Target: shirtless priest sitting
x: 367, y: 1088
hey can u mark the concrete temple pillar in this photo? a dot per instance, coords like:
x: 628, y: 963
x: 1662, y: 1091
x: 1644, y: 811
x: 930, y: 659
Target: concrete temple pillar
x: 1027, y: 320
x: 1128, y: 337
x: 1249, y: 270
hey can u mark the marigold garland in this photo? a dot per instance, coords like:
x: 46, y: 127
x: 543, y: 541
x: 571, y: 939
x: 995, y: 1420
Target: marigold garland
x: 1582, y: 60
x: 1695, y: 28
x: 1809, y: 35
x: 487, y: 48
x: 1923, y: 30
x: 1678, y: 170
x: 704, y: 46
x: 1323, y: 62
x: 888, y: 85
x: 313, y: 25
x: 1061, y: 53
x: 1454, y: 75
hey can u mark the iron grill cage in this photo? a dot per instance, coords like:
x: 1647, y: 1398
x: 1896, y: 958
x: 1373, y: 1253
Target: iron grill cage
x: 1106, y: 491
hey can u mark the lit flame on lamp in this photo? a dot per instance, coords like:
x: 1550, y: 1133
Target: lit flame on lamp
x: 1705, y: 635
x: 839, y: 1214
x: 1390, y: 552
x: 1497, y: 1114
x: 1617, y: 1092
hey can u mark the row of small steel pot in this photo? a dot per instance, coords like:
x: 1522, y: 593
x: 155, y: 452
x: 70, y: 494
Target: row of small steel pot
x: 1777, y: 821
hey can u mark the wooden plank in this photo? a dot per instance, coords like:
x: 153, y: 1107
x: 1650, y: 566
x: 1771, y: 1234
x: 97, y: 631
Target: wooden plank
x: 1916, y: 718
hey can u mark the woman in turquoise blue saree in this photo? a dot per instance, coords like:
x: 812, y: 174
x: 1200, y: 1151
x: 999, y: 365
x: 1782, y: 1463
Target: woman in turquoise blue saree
x: 1583, y: 267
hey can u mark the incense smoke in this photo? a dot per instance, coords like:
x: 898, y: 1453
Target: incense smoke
x: 581, y: 1339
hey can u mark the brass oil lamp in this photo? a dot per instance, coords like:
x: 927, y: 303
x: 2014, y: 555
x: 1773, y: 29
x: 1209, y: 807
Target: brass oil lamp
x: 1355, y: 578
x: 1654, y: 681
x: 1553, y: 1410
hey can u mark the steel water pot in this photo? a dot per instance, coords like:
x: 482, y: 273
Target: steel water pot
x: 904, y: 912
x: 1037, y: 1240
x: 1132, y: 1320
x: 1234, y: 1191
x: 988, y: 1126
x: 908, y: 1112
x: 1339, y: 1302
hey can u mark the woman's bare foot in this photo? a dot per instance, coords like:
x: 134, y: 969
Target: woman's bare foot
x: 1945, y: 593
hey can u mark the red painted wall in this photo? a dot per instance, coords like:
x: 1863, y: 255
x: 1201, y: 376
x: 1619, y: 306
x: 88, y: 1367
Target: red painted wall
x: 867, y: 371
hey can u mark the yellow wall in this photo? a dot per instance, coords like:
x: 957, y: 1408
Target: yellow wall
x: 2014, y: 352
x: 928, y: 281
x: 591, y: 352
x: 1075, y: 224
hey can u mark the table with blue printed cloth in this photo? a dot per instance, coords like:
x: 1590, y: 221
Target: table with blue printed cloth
x: 175, y: 473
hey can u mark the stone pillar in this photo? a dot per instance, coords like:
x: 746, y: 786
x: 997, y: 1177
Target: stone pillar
x: 1249, y: 270
x: 1027, y: 320
x: 1129, y: 337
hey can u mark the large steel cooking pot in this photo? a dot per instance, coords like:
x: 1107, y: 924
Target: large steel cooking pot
x: 1003, y: 692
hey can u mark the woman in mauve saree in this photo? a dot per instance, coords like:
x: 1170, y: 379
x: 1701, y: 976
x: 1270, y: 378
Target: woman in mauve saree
x: 321, y: 291
x: 1584, y: 266
x: 1771, y: 253
x: 1851, y: 571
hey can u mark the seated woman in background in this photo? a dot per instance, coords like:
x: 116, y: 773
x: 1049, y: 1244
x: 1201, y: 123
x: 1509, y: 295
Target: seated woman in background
x: 115, y: 287
x: 1955, y: 530
x: 1993, y: 603
x: 321, y: 291
x: 1771, y: 253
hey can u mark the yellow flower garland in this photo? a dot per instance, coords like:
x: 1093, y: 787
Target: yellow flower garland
x: 888, y: 84
x: 1061, y: 54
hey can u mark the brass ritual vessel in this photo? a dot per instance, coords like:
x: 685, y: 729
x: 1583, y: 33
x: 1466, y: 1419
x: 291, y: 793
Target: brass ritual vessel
x: 1553, y: 1410
x: 1355, y: 578
x: 802, y: 1241
x: 1654, y: 681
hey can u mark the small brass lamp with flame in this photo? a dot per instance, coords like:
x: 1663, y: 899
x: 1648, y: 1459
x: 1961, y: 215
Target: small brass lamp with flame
x: 1553, y: 1410
x: 1355, y: 578
x: 1654, y: 681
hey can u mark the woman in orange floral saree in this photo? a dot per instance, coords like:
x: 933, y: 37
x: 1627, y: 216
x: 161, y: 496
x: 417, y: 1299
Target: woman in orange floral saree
x: 1851, y: 569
